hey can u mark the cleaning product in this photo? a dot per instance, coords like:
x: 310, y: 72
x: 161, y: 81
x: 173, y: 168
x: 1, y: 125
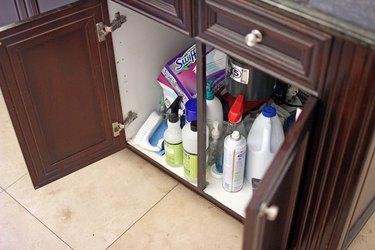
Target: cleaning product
x: 264, y: 139
x: 234, y: 162
x: 235, y: 123
x: 215, y: 135
x: 173, y: 141
x: 191, y: 114
x: 214, y: 108
x: 190, y: 148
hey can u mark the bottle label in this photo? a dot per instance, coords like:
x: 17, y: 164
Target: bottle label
x: 190, y: 163
x: 239, y: 74
x: 173, y: 153
x: 233, y: 169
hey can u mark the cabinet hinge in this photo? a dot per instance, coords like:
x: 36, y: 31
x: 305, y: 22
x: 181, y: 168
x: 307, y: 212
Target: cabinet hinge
x: 118, y: 127
x: 103, y: 30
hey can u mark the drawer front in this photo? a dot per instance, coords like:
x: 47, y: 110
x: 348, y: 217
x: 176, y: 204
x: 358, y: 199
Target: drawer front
x: 288, y: 50
x: 174, y: 13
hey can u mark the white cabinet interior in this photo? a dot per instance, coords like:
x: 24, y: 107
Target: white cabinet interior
x: 142, y: 47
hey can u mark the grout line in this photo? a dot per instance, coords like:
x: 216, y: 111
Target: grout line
x: 143, y: 215
x: 39, y: 220
x: 15, y: 181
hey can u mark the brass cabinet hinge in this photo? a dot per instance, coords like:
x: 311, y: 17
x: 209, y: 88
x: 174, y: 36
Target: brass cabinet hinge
x: 118, y: 127
x: 103, y: 30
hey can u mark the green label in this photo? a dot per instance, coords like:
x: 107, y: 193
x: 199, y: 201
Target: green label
x: 173, y: 153
x: 190, y: 166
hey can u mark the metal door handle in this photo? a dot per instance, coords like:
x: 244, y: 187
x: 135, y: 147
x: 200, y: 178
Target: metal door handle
x: 270, y: 212
x: 253, y: 38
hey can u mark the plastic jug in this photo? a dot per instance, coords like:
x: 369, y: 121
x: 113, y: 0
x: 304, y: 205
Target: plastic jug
x: 264, y: 139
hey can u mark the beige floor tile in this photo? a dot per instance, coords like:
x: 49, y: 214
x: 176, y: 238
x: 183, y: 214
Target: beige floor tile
x: 183, y: 220
x: 365, y: 240
x: 90, y: 208
x: 12, y: 164
x: 20, y: 230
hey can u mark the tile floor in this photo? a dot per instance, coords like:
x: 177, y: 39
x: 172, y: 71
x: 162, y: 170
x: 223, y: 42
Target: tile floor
x: 112, y: 204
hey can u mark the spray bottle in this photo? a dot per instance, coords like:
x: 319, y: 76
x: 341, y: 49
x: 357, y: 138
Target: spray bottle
x: 235, y: 123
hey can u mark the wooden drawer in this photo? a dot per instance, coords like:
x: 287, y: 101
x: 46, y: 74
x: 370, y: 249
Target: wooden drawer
x: 173, y: 13
x: 288, y: 50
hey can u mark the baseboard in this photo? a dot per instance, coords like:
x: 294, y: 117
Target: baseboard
x: 358, y: 225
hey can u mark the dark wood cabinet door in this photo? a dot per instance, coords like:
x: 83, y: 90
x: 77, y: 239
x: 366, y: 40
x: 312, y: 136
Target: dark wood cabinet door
x: 277, y: 194
x: 61, y: 91
x: 173, y: 13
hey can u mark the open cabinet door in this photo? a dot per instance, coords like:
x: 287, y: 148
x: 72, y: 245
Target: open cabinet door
x: 59, y: 84
x: 270, y: 211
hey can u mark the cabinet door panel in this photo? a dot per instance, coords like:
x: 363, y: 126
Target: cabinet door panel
x: 279, y: 188
x: 174, y: 13
x: 60, y: 91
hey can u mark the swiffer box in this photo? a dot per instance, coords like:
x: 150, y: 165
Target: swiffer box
x: 181, y: 71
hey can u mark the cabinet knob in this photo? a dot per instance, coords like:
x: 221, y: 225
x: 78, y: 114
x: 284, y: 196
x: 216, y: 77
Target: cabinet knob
x: 253, y: 38
x: 270, y: 212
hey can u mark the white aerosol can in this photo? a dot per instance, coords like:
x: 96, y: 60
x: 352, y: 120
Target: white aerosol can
x: 234, y: 162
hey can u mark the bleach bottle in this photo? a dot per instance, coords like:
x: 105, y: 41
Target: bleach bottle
x: 264, y: 139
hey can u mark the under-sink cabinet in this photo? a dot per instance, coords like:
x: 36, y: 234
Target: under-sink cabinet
x: 69, y: 84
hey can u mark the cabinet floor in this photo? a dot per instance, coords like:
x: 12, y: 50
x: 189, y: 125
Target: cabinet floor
x: 120, y: 202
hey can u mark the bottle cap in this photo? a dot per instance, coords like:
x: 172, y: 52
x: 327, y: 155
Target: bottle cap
x: 215, y: 133
x: 173, y: 118
x: 194, y: 126
x: 236, y: 135
x: 235, y: 112
x: 209, y: 91
x: 191, y: 110
x: 269, y: 111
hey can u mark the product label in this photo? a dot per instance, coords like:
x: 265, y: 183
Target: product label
x: 190, y: 163
x: 233, y: 169
x: 239, y: 74
x: 173, y: 153
x: 189, y: 57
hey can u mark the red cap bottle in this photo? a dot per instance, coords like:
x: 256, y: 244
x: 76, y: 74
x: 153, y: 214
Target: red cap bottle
x: 235, y: 112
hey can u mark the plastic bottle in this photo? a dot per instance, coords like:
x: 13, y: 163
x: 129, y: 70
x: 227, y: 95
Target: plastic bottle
x: 214, y: 108
x: 215, y: 135
x: 190, y: 148
x: 173, y: 142
x: 264, y: 139
x: 190, y: 114
x: 234, y: 123
x: 234, y: 162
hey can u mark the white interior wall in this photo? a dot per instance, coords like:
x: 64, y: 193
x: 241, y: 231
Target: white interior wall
x: 142, y: 47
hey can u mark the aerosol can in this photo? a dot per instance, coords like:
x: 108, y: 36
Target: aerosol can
x: 234, y: 162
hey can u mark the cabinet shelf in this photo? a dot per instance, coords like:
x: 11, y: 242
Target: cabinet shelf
x: 236, y: 202
x: 179, y: 171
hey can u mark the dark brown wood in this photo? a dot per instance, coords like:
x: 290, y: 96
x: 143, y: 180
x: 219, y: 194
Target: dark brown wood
x: 47, y: 5
x: 345, y: 128
x: 12, y: 11
x: 280, y: 187
x: 60, y: 88
x: 201, y: 100
x: 176, y: 14
x: 289, y: 50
